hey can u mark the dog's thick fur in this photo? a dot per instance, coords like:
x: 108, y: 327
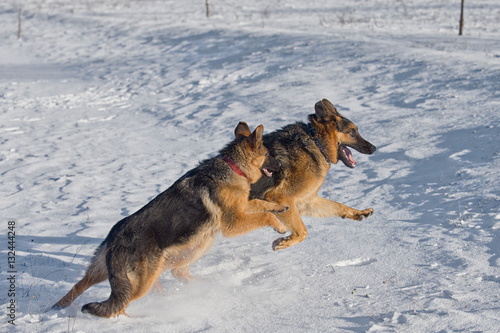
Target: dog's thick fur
x: 177, y: 227
x: 305, y: 152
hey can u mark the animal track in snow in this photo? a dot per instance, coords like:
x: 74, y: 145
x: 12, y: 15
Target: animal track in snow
x: 458, y: 156
x: 354, y: 262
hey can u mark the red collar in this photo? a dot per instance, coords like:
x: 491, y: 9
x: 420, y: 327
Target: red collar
x: 233, y: 166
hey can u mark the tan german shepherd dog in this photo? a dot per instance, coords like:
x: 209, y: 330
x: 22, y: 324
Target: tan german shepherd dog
x: 177, y: 227
x: 305, y: 153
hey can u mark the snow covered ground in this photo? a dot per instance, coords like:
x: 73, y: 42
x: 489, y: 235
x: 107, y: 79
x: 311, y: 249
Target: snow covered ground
x: 104, y: 104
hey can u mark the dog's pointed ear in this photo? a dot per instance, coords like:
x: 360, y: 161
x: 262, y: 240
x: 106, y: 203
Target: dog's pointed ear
x: 242, y: 130
x: 255, y: 138
x: 325, y: 110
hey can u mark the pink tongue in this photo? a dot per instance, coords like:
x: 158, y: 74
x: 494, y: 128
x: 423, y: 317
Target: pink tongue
x: 349, y: 156
x: 267, y: 172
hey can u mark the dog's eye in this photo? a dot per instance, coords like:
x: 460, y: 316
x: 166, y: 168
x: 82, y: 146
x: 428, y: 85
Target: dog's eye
x: 353, y: 132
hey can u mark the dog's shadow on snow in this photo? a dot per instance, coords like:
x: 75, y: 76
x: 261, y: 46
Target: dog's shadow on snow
x: 42, y: 275
x: 41, y: 264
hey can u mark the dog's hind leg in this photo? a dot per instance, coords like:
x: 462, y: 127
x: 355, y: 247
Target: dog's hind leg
x: 321, y: 207
x: 97, y: 272
x: 126, y: 285
x: 293, y: 221
x: 144, y: 276
x: 183, y: 258
x: 121, y: 288
x: 182, y: 273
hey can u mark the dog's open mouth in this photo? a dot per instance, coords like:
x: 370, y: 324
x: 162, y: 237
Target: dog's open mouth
x: 267, y: 172
x: 270, y: 165
x: 346, y: 157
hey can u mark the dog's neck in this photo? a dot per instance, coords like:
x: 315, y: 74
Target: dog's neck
x: 233, y: 166
x: 312, y: 134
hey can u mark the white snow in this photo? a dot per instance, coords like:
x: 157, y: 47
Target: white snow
x: 105, y: 103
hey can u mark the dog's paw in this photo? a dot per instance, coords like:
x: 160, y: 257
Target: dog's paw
x: 282, y: 209
x: 278, y: 208
x: 90, y: 308
x: 57, y: 307
x: 278, y: 226
x: 102, y: 309
x: 358, y: 215
x: 277, y: 244
x: 280, y: 229
x: 291, y: 240
x: 365, y: 213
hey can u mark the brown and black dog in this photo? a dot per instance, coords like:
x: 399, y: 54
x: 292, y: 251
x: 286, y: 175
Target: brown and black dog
x: 305, y: 152
x: 177, y: 227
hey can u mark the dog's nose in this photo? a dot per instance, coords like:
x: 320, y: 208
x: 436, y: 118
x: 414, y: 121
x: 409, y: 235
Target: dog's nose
x: 372, y: 149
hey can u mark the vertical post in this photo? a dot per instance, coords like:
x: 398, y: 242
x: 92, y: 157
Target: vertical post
x: 208, y: 8
x: 19, y: 26
x: 461, y: 19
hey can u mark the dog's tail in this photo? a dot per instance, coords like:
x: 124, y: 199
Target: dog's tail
x: 121, y: 288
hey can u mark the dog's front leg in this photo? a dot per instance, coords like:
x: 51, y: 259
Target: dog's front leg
x: 257, y: 205
x: 321, y: 207
x: 247, y: 222
x: 293, y: 221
